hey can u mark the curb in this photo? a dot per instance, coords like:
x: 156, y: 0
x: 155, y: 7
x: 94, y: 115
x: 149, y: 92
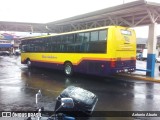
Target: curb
x: 139, y: 77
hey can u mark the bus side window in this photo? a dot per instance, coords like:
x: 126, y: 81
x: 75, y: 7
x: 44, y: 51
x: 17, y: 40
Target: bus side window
x: 94, y: 36
x: 23, y: 48
x: 58, y: 42
x: 85, y: 45
x: 53, y: 43
x: 102, y: 35
x: 79, y: 41
x: 49, y: 44
x: 102, y: 43
x: 98, y: 41
x: 76, y: 44
x: 80, y: 37
x: 70, y: 44
x: 63, y: 46
x: 93, y: 41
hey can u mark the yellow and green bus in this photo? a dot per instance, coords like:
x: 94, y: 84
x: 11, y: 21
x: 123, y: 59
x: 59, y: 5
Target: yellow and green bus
x: 98, y: 51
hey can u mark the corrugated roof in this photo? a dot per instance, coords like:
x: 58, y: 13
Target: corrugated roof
x: 131, y: 14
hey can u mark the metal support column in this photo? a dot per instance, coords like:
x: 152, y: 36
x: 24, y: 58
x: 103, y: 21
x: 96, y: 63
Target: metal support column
x: 152, y: 41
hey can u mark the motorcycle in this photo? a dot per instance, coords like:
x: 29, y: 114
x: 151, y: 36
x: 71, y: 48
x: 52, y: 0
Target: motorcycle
x: 66, y: 103
x: 73, y: 101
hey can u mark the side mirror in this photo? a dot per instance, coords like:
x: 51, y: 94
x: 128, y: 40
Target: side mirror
x: 67, y: 102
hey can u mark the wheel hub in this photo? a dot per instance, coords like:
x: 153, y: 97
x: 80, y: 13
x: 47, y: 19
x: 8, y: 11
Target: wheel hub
x: 68, y: 69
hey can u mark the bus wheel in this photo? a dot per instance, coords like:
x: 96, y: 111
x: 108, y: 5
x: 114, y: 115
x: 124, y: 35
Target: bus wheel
x: 28, y: 63
x: 68, y: 69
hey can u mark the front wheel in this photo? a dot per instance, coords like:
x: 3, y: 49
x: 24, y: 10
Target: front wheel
x: 29, y: 63
x: 68, y: 69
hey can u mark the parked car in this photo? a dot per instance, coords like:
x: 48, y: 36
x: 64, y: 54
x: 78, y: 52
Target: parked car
x: 158, y: 59
x: 4, y: 53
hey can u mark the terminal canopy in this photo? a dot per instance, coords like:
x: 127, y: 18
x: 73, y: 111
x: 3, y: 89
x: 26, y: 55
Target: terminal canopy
x: 131, y: 14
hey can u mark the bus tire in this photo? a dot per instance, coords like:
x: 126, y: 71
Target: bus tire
x: 29, y: 63
x: 68, y: 69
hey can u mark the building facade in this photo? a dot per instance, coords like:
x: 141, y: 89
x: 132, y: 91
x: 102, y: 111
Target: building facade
x: 142, y: 44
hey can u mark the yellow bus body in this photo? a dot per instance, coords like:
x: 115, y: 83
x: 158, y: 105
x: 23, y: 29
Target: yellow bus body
x: 120, y: 48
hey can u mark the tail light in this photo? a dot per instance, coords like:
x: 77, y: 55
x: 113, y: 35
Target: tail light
x: 113, y: 63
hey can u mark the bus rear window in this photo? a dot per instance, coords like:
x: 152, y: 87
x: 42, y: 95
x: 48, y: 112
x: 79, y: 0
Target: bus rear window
x: 126, y: 32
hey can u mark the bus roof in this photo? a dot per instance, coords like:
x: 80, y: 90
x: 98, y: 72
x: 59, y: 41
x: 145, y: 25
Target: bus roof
x: 58, y: 34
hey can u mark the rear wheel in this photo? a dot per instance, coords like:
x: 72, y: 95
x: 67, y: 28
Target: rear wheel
x: 68, y: 69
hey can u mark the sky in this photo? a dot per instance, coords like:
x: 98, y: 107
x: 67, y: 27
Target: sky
x: 43, y: 11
